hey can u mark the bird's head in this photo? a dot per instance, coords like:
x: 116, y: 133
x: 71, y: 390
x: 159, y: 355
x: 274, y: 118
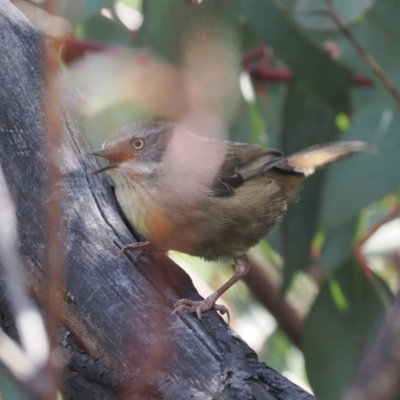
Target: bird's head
x: 137, y: 148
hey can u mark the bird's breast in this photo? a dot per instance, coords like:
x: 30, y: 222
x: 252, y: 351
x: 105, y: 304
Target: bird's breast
x: 140, y: 206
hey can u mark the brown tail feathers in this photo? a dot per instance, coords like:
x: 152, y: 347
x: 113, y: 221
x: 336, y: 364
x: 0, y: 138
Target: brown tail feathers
x: 308, y: 160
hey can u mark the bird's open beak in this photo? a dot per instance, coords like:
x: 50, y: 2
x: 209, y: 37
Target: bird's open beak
x: 103, y: 154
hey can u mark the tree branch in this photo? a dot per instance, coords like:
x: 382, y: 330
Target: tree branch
x: 118, y: 334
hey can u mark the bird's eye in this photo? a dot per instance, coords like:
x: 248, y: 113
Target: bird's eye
x: 138, y: 144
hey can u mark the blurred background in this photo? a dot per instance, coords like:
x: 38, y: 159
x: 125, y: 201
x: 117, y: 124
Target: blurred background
x: 285, y: 74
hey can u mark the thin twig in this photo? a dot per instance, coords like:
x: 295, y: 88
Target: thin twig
x: 54, y: 216
x: 377, y: 70
x: 393, y: 214
x: 363, y: 260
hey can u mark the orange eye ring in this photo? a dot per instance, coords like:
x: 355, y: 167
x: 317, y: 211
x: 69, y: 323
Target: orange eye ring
x: 138, y: 144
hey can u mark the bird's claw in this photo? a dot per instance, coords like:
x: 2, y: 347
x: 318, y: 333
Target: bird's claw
x: 199, y: 307
x: 141, y: 249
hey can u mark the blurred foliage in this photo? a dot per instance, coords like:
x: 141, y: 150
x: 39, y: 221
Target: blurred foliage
x: 307, y: 120
x: 169, y: 59
x: 310, y: 12
x: 11, y: 389
x: 343, y: 320
x: 276, y: 28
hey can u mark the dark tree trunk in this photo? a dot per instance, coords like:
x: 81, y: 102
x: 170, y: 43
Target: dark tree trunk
x: 118, y: 329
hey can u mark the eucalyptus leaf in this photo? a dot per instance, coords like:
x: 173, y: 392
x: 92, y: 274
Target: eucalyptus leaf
x: 94, y: 6
x: 310, y: 13
x: 342, y: 323
x: 307, y: 120
x: 378, y: 32
x: 337, y: 246
x: 277, y: 29
x: 168, y: 24
x: 10, y: 388
x: 277, y: 348
x: 100, y: 125
x: 77, y: 11
x: 101, y: 29
x: 353, y: 184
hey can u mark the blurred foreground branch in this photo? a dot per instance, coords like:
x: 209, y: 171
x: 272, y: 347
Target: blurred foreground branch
x: 28, y: 363
x: 117, y: 338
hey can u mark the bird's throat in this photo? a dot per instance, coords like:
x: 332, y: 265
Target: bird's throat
x: 138, y: 202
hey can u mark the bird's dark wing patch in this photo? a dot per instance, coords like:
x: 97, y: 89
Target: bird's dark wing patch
x: 276, y: 161
x: 246, y: 162
x: 233, y: 179
x: 226, y: 184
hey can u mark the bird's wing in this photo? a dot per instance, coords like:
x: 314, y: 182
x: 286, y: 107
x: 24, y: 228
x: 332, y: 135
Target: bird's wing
x: 244, y: 162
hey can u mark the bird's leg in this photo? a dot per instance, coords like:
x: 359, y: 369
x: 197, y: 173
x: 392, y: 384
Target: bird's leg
x: 142, y: 248
x: 241, y: 268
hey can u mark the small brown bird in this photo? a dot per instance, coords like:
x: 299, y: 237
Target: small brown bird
x: 206, y: 197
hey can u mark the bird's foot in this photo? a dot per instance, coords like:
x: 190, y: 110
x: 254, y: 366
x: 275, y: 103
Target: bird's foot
x: 141, y: 248
x: 200, y: 306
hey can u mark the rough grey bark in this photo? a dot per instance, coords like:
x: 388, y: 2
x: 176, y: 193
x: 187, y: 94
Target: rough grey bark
x: 118, y: 329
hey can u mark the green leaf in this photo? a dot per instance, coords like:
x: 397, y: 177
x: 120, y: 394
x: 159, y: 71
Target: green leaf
x: 94, y: 6
x: 349, y: 12
x: 308, y: 120
x: 10, y: 388
x: 342, y: 121
x: 337, y: 246
x: 134, y: 4
x: 379, y: 34
x: 79, y: 10
x: 257, y: 125
x: 98, y: 126
x: 338, y: 296
x: 353, y: 184
x: 251, y: 126
x: 330, y: 79
x: 102, y: 29
x: 341, y: 324
x: 168, y: 23
x: 277, y: 347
